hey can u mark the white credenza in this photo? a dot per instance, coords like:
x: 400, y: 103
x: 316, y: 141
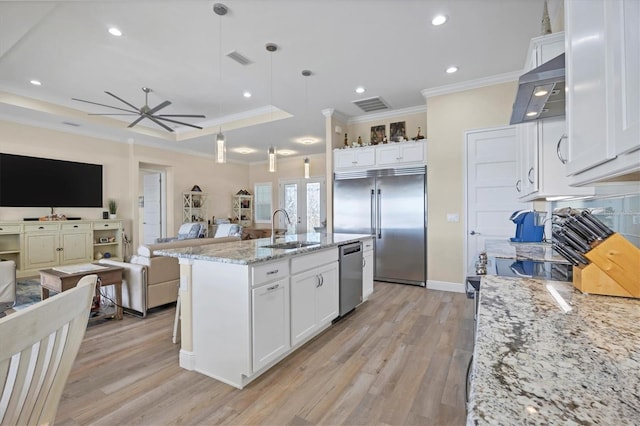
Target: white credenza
x: 36, y: 245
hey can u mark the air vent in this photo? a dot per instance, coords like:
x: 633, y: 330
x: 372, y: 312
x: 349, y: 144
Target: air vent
x: 242, y: 60
x: 371, y: 104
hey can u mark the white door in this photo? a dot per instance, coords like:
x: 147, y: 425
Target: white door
x: 491, y: 194
x: 304, y: 202
x: 152, y: 206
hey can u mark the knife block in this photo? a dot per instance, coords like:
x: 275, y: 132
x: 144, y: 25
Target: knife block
x: 614, y: 269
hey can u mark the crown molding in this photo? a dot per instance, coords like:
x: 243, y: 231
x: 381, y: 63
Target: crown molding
x: 331, y: 112
x: 388, y: 114
x: 471, y: 84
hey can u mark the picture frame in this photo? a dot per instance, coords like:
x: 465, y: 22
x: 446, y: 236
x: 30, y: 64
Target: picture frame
x: 378, y: 133
x: 103, y: 240
x: 397, y: 131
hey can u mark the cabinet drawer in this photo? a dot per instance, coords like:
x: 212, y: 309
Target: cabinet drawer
x: 42, y: 227
x: 314, y: 260
x: 269, y: 272
x: 76, y: 226
x: 107, y: 225
x: 10, y: 229
x: 367, y: 245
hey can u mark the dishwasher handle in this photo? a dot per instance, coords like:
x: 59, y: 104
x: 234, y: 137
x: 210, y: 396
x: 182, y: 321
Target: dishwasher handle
x: 350, y: 249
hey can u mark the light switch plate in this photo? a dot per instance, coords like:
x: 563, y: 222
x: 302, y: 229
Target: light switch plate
x: 453, y: 217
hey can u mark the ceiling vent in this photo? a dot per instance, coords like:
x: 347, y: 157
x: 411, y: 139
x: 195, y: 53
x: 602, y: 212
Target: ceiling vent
x: 371, y: 104
x: 242, y: 60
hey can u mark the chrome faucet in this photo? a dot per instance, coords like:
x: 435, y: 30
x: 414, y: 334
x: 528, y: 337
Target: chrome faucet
x: 273, y: 221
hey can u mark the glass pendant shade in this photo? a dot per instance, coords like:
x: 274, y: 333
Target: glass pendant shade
x: 306, y: 168
x: 221, y: 149
x: 272, y: 159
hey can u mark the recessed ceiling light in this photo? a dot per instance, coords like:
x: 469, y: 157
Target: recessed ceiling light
x: 531, y: 113
x: 540, y: 93
x: 286, y: 152
x: 439, y: 20
x: 360, y: 89
x: 244, y: 150
x: 307, y: 141
x: 247, y: 94
x: 115, y: 32
x: 36, y: 82
x: 452, y: 69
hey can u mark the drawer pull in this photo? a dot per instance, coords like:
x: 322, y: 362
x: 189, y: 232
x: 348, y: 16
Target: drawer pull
x: 75, y: 226
x: 275, y: 271
x: 40, y: 227
x: 273, y: 287
x: 106, y: 225
x: 399, y: 158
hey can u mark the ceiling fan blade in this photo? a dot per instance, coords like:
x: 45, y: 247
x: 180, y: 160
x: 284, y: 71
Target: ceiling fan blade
x: 152, y: 118
x: 108, y: 106
x: 139, y: 119
x: 159, y: 107
x: 178, y: 122
x: 180, y: 115
x: 122, y: 100
x: 115, y: 113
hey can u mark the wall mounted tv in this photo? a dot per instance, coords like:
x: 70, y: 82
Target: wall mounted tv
x: 42, y: 182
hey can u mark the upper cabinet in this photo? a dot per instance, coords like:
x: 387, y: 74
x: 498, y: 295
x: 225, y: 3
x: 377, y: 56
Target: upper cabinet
x: 393, y: 154
x: 603, y: 89
x: 542, y: 143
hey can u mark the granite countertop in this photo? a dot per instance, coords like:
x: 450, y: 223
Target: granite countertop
x: 246, y: 252
x: 534, y: 363
x: 522, y: 251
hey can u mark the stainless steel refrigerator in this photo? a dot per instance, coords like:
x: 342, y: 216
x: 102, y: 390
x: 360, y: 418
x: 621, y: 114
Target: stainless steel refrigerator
x: 391, y: 204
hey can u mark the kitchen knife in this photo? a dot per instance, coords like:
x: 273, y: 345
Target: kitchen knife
x: 593, y: 228
x: 591, y: 217
x: 580, y: 229
x: 576, y: 256
x: 581, y: 244
x: 564, y: 254
x: 560, y: 237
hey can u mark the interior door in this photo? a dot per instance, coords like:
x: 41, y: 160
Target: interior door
x: 492, y: 197
x: 152, y: 207
x: 304, y: 202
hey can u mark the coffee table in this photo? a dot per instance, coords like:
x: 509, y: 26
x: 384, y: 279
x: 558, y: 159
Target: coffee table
x: 52, y: 279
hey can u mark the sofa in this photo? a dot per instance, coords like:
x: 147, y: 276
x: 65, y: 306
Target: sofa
x: 150, y: 281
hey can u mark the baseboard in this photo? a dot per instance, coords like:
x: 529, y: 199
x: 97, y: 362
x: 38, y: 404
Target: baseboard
x: 187, y: 360
x: 446, y: 286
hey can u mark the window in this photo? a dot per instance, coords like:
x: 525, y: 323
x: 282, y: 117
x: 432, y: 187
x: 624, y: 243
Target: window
x: 262, y: 202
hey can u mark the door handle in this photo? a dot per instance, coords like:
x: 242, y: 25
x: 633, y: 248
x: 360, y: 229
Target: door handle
x: 518, y: 185
x: 378, y: 213
x: 474, y: 233
x: 529, y: 175
x: 558, y: 153
x: 373, y: 209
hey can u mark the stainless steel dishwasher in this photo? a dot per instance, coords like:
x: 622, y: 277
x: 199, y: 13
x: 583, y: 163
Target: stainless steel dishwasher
x: 350, y: 276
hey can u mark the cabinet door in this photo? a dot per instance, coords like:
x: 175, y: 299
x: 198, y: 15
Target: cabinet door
x: 528, y: 158
x: 327, y: 296
x: 400, y: 153
x: 77, y: 247
x: 303, y: 311
x: 270, y: 321
x: 41, y: 250
x: 367, y: 274
x: 586, y: 85
x: 354, y: 157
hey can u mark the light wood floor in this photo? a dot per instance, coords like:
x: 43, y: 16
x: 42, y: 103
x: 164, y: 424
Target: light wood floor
x: 399, y: 359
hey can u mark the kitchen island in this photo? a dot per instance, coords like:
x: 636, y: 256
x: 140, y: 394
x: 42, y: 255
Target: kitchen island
x: 539, y: 361
x: 245, y: 306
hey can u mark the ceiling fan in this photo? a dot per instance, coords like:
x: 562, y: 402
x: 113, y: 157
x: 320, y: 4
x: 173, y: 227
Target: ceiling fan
x: 146, y: 112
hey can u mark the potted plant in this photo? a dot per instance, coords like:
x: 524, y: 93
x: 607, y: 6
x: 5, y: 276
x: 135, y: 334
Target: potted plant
x: 113, y: 208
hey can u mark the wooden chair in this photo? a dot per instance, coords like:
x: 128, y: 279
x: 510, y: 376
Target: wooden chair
x: 38, y: 347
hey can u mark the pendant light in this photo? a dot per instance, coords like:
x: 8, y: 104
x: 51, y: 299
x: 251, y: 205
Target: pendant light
x: 306, y: 168
x: 220, y: 147
x: 271, y: 152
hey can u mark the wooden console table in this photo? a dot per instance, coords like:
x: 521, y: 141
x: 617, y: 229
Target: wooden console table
x: 51, y: 279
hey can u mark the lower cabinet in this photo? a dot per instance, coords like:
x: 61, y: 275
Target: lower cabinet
x: 314, y: 301
x: 41, y: 250
x: 270, y: 322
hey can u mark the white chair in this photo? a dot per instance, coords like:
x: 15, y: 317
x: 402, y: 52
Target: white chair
x: 7, y: 285
x: 39, y: 346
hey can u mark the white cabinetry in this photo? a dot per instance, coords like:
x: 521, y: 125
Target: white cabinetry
x: 393, y: 154
x: 603, y: 89
x: 37, y: 245
x: 541, y: 169
x: 270, y: 322
x: 367, y: 268
x: 349, y: 158
x: 314, y: 300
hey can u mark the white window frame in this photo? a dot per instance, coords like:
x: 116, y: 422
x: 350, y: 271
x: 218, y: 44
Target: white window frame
x: 256, y: 219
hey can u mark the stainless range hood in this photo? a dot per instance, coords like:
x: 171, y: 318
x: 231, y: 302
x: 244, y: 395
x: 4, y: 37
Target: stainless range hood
x: 541, y: 93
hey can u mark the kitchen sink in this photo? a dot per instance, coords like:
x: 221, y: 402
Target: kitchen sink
x: 288, y: 245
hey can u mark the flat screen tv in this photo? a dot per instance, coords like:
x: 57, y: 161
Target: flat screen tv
x: 42, y: 182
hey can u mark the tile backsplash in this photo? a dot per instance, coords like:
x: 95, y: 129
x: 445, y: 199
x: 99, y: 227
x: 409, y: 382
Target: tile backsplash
x: 620, y: 213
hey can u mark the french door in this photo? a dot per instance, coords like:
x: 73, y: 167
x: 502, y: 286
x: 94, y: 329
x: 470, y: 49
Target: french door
x: 304, y: 201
